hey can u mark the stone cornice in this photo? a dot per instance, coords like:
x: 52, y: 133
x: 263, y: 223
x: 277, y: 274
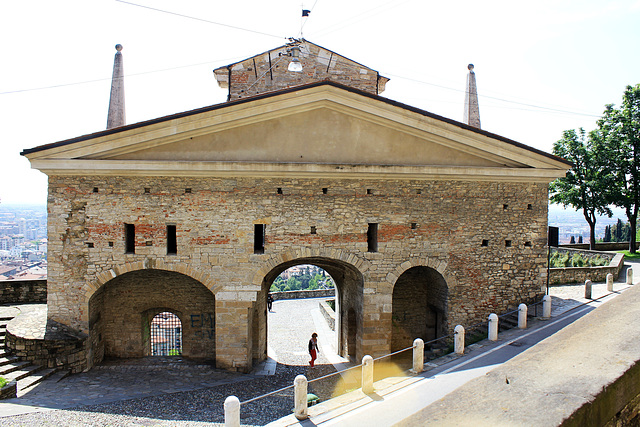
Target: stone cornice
x: 289, y: 170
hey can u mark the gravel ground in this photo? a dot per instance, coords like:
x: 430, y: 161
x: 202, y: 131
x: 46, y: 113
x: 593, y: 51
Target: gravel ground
x: 204, y: 407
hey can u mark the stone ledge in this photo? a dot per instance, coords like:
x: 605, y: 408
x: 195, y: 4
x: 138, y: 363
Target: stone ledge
x: 580, y: 274
x: 329, y: 314
x: 9, y: 391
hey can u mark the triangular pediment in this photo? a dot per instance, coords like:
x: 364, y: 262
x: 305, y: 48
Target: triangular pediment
x: 316, y: 129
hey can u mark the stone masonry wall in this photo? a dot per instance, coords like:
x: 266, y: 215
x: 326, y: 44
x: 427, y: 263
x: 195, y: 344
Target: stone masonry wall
x: 268, y: 72
x: 23, y: 291
x: 486, y: 239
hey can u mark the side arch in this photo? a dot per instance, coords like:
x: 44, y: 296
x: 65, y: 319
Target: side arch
x: 104, y: 276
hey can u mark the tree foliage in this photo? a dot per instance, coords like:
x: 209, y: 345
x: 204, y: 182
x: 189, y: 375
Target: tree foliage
x: 585, y: 186
x: 618, y: 141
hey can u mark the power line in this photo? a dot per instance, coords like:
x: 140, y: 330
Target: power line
x: 109, y: 78
x: 307, y: 16
x: 199, y: 19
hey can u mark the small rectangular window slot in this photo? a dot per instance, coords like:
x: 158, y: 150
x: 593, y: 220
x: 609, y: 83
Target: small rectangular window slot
x: 130, y: 238
x: 148, y: 243
x: 172, y: 240
x: 258, y: 238
x: 529, y: 206
x: 325, y: 190
x: 95, y: 189
x: 110, y: 244
x: 89, y: 244
x: 414, y: 225
x: 187, y: 191
x: 504, y: 207
x: 147, y: 190
x: 372, y: 238
x: 314, y: 230
x: 279, y: 191
x: 418, y: 191
x: 507, y: 243
x: 369, y: 191
x: 527, y: 244
x: 485, y: 242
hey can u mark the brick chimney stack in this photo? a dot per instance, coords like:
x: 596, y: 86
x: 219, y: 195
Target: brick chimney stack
x: 471, y: 108
x: 116, y: 116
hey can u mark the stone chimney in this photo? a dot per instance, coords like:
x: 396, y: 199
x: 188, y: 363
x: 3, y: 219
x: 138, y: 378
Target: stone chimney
x: 471, y: 109
x: 116, y: 115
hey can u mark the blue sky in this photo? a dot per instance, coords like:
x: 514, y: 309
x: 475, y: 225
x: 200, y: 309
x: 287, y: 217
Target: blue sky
x: 541, y: 67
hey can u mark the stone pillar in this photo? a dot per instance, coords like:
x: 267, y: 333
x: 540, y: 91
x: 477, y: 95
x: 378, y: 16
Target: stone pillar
x: 587, y: 289
x: 522, y: 316
x: 300, y: 397
x: 610, y: 282
x: 629, y: 276
x: 232, y: 412
x: 367, y: 374
x: 233, y: 331
x: 458, y: 340
x: 493, y: 327
x: 546, y: 307
x: 418, y: 355
x: 376, y: 324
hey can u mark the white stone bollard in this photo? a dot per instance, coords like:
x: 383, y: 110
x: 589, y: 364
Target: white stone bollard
x: 232, y: 412
x: 367, y: 374
x: 587, y: 288
x: 610, y: 282
x: 493, y: 327
x: 458, y: 339
x: 629, y: 276
x: 418, y: 355
x: 300, y: 397
x: 522, y: 316
x: 546, y: 306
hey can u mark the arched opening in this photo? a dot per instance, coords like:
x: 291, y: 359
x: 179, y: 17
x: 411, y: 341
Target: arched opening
x: 125, y: 312
x: 348, y: 296
x: 166, y: 334
x: 419, y: 307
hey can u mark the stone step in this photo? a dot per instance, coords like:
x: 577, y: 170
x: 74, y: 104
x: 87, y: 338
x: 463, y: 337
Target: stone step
x: 36, y: 378
x: 5, y: 370
x: 22, y: 373
x: 5, y: 360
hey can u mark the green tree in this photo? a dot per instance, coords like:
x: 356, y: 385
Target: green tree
x: 585, y: 185
x: 607, y: 234
x: 619, y: 134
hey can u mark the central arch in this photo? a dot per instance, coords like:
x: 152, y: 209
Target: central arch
x: 349, y: 304
x: 121, y: 314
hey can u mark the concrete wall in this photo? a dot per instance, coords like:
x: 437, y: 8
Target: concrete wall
x: 23, y: 291
x: 486, y: 239
x: 303, y: 294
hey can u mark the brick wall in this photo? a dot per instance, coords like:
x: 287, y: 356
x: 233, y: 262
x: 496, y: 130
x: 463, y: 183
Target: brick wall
x: 436, y: 224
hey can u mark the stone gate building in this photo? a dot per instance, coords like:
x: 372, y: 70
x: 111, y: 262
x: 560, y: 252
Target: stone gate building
x: 423, y: 222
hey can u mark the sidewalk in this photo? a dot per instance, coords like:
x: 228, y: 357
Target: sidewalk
x: 396, y: 398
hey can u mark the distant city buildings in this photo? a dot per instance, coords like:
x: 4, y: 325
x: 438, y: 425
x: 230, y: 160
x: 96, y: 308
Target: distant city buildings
x: 23, y: 242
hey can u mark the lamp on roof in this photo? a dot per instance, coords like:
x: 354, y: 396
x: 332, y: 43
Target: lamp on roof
x: 295, y: 65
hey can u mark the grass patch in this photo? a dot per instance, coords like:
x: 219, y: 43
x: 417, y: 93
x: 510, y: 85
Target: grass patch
x: 331, y: 303
x: 629, y: 255
x: 3, y: 382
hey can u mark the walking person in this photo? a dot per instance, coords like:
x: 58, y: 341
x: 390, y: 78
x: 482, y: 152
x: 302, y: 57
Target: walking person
x: 313, y: 348
x: 269, y: 301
